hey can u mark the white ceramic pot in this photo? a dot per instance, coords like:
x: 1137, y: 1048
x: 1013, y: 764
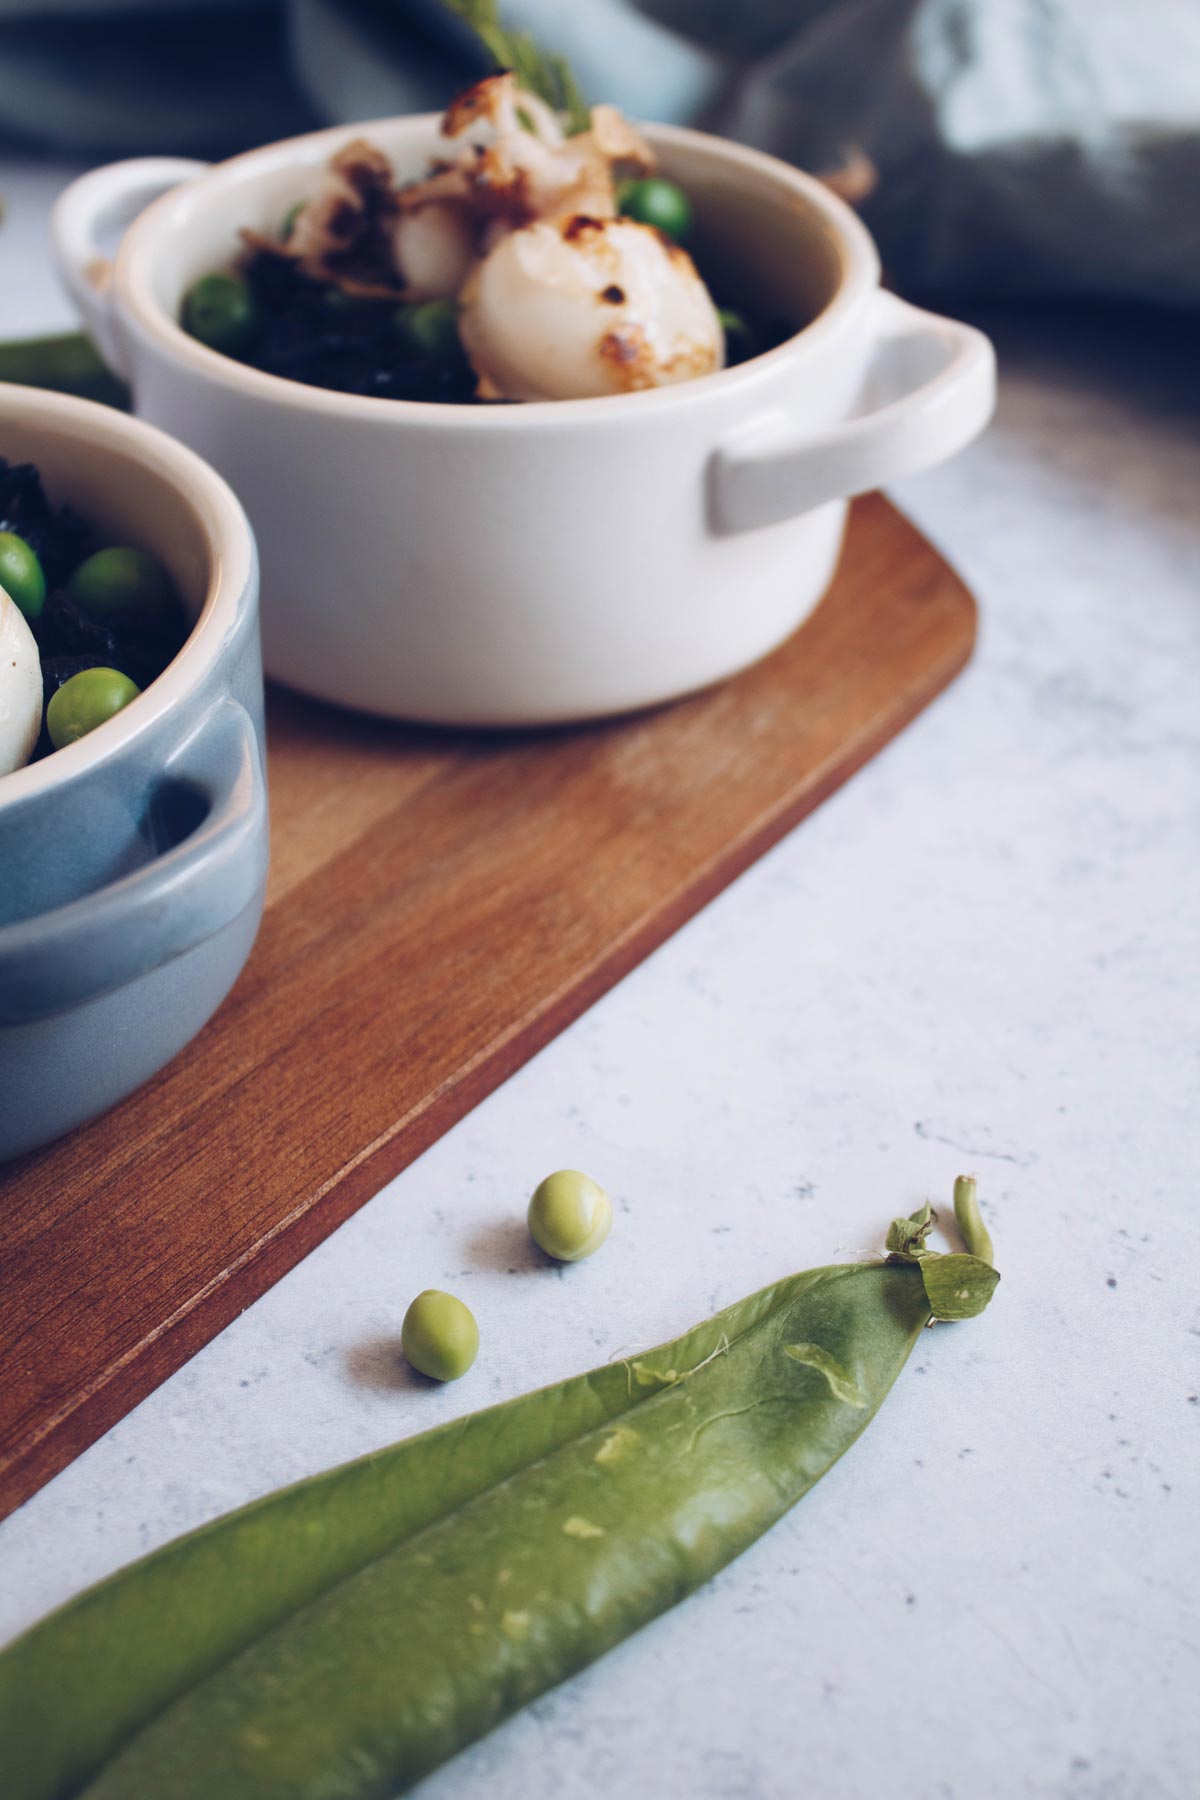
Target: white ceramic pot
x: 559, y: 560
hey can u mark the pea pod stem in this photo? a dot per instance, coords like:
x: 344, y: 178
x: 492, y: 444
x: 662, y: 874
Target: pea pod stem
x: 974, y: 1232
x: 958, y: 1284
x: 906, y: 1237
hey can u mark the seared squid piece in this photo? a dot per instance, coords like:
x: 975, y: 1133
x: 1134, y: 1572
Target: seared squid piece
x: 567, y: 300
x: 20, y: 687
x: 585, y: 307
x: 559, y: 298
x: 344, y: 233
x: 433, y: 248
x: 522, y: 166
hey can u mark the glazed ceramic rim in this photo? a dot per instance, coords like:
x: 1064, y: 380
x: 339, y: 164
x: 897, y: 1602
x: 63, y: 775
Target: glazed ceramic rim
x: 133, y: 287
x: 230, y: 568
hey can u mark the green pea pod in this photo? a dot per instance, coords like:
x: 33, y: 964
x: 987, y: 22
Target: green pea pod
x: 350, y: 1633
x: 69, y: 364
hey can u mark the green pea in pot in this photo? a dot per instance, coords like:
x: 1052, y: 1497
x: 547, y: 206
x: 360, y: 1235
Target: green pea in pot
x: 85, y: 701
x: 121, y: 580
x: 219, y: 310
x: 21, y: 575
x: 656, y: 202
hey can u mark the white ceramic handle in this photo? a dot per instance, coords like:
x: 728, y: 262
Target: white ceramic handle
x: 930, y: 388
x: 106, y: 200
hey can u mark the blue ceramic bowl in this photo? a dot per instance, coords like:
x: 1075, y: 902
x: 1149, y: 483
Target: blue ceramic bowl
x: 132, y: 863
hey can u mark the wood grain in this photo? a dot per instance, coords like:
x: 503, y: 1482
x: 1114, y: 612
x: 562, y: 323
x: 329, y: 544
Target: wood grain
x: 440, y: 906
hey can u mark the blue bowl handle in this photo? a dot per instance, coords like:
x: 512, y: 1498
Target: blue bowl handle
x: 94, y: 945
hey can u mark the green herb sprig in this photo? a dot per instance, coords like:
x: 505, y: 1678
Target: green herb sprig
x: 542, y: 72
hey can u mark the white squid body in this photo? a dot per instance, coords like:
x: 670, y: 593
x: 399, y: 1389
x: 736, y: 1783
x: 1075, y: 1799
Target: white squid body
x: 584, y: 307
x: 434, y: 248
x: 20, y: 687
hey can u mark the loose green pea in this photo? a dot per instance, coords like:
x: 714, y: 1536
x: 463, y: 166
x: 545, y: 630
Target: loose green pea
x: 221, y: 311
x: 86, y: 701
x: 439, y: 1336
x: 121, y: 580
x: 429, y: 330
x: 569, y: 1215
x: 21, y: 575
x: 656, y: 202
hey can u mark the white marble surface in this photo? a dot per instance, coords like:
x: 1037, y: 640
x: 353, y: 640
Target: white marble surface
x: 983, y: 953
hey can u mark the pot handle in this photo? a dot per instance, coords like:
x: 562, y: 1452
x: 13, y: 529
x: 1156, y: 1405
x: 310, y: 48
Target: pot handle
x: 99, y: 203
x: 91, y: 946
x: 930, y: 388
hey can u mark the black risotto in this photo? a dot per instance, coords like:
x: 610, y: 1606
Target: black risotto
x: 133, y: 639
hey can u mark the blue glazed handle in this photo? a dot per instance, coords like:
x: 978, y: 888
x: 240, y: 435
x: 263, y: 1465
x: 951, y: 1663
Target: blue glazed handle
x: 94, y: 945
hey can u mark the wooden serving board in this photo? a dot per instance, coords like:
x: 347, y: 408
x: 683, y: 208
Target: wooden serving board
x: 440, y: 906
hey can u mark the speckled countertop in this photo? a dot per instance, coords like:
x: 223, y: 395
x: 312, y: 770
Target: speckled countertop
x: 984, y: 953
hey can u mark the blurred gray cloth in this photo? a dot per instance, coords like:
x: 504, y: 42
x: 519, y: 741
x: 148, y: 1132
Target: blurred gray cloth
x: 1023, y: 147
